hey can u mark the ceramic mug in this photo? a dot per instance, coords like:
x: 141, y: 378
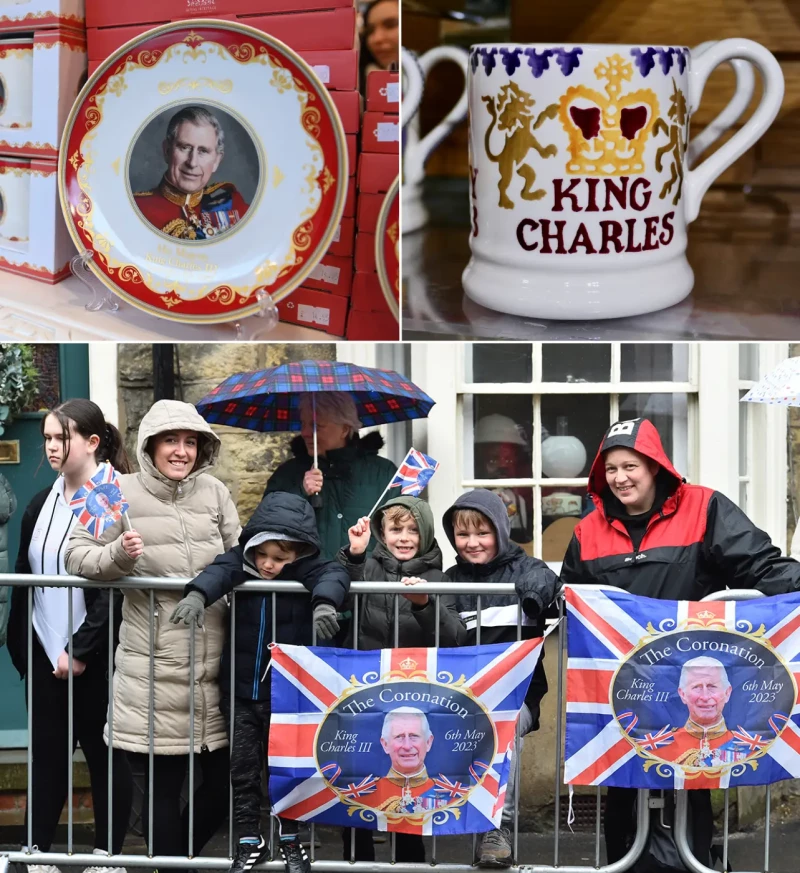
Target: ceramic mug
x: 15, y: 185
x: 16, y: 82
x: 416, y: 151
x: 580, y: 189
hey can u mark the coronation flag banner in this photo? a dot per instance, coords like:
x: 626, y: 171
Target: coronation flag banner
x: 667, y: 694
x: 411, y: 740
x: 99, y: 503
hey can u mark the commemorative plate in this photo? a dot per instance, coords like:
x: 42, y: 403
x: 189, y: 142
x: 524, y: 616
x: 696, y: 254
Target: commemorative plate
x: 387, y: 256
x: 202, y: 162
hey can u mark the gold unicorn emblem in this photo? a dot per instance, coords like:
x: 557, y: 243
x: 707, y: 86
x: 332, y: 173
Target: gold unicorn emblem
x: 676, y: 145
x: 512, y: 113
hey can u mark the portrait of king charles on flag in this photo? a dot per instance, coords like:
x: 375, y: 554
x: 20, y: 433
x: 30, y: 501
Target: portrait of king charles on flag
x: 186, y: 203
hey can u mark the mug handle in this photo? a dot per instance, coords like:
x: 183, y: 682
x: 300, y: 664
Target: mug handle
x: 699, y: 180
x: 416, y: 154
x: 745, y: 85
x: 413, y: 82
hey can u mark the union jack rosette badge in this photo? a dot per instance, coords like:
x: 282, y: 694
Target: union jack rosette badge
x: 666, y: 694
x: 99, y: 503
x: 410, y: 740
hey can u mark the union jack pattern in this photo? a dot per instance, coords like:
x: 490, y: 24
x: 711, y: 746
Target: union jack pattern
x: 627, y: 653
x: 312, y: 686
x: 91, y: 512
x: 414, y: 473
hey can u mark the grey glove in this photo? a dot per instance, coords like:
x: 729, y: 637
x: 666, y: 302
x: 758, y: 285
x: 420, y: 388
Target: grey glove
x: 191, y: 610
x: 325, y: 623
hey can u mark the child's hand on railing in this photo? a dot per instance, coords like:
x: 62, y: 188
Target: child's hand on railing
x: 132, y: 544
x: 359, y: 535
x: 191, y: 610
x: 62, y: 666
x: 418, y: 599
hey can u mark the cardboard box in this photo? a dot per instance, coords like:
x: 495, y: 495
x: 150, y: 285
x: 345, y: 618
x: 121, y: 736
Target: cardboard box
x: 41, y: 246
x: 328, y: 29
x: 352, y: 153
x: 365, y: 253
x: 58, y: 67
x: 349, y: 209
x: 348, y: 105
x: 338, y: 70
x: 344, y: 239
x: 102, y: 13
x: 383, y: 91
x: 380, y: 132
x: 367, y: 295
x: 369, y: 208
x: 371, y: 327
x: 40, y: 14
x: 318, y: 309
x: 376, y: 172
x: 332, y: 274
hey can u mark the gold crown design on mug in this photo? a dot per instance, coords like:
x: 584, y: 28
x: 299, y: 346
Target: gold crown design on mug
x: 608, y: 134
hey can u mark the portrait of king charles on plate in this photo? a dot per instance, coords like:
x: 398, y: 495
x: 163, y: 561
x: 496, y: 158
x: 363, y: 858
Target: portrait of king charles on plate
x: 406, y: 788
x: 186, y: 203
x: 704, y: 740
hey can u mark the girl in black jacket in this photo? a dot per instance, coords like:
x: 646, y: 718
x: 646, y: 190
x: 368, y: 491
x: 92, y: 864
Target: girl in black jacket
x: 77, y: 439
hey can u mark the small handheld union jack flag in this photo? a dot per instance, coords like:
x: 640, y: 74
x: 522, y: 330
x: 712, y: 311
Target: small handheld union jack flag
x: 414, y: 473
x: 99, y: 503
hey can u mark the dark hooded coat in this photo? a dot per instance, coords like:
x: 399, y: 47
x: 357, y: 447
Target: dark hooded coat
x: 354, y: 477
x: 327, y: 581
x: 695, y: 542
x: 534, y: 581
x: 416, y: 624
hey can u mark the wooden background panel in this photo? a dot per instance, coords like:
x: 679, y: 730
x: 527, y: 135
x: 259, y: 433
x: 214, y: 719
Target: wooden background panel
x: 773, y: 23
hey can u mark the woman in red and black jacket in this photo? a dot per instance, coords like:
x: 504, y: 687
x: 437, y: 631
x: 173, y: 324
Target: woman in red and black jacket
x: 652, y: 534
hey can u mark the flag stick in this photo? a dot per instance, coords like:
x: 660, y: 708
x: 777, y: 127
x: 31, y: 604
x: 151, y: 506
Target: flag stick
x: 314, y: 414
x: 378, y: 503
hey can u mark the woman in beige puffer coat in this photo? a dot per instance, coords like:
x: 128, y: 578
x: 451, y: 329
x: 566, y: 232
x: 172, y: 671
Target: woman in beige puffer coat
x: 182, y: 519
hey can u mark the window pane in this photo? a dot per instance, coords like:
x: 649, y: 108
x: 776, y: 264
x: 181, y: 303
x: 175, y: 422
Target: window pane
x: 654, y: 362
x: 668, y: 412
x: 743, y: 489
x: 576, y: 362
x: 500, y: 362
x: 502, y: 426
x: 748, y: 361
x: 519, y: 503
x: 572, y: 427
x: 561, y: 512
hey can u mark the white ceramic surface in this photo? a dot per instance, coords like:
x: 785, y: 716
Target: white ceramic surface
x: 416, y: 150
x: 15, y: 185
x: 581, y: 193
x: 16, y: 82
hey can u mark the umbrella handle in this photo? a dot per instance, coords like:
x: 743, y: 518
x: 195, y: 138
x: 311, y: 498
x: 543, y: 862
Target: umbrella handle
x: 316, y: 501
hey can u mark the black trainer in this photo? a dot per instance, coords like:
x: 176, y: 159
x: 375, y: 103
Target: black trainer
x: 294, y: 856
x: 248, y: 855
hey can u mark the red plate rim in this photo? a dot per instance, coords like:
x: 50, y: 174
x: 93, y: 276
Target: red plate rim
x: 390, y: 201
x: 342, y: 179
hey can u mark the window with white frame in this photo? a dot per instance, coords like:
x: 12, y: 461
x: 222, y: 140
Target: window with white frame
x: 748, y: 376
x: 532, y: 415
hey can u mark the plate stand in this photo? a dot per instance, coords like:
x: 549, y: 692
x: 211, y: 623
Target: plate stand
x: 253, y: 328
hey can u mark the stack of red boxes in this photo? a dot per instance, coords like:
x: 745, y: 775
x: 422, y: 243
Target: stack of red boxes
x: 42, y: 65
x: 378, y: 167
x: 323, y: 33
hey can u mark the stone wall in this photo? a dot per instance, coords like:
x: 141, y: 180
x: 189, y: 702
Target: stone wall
x: 794, y: 460
x: 246, y: 457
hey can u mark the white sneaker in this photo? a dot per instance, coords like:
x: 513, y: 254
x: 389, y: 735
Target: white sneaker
x: 102, y: 869
x: 40, y: 868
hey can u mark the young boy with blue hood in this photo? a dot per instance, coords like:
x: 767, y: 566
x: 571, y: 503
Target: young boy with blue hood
x: 279, y: 542
x: 479, y: 529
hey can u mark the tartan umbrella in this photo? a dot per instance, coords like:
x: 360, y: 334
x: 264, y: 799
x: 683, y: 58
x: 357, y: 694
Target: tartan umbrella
x: 269, y: 400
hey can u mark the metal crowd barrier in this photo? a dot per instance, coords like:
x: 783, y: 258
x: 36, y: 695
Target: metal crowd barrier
x: 192, y: 862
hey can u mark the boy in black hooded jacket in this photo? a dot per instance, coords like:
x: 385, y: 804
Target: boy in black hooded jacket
x: 279, y: 542
x: 478, y: 528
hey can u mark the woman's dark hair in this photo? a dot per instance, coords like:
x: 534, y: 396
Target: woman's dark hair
x: 88, y: 420
x: 367, y: 57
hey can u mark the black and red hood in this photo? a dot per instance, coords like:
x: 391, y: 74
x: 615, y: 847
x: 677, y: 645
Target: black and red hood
x: 639, y: 434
